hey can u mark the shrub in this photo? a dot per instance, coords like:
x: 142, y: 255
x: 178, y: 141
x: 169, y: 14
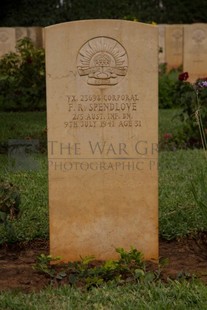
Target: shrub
x: 167, y: 82
x: 192, y: 99
x: 22, y: 78
x: 9, y: 207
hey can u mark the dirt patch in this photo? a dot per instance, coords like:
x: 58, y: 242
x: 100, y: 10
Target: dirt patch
x: 187, y: 256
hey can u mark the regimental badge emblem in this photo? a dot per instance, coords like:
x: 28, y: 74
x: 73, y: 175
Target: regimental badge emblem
x: 102, y: 61
x: 198, y: 36
x: 4, y: 37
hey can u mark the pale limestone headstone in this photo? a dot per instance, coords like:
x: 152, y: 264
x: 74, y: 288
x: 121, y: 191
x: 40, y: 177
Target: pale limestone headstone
x: 21, y: 32
x: 173, y: 46
x: 102, y: 114
x: 7, y: 40
x: 43, y: 37
x: 161, y: 44
x: 195, y: 51
x: 35, y: 34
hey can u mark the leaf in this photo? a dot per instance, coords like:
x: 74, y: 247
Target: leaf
x: 87, y: 259
x: 72, y: 278
x: 149, y: 277
x: 139, y: 273
x: 3, y: 217
x: 110, y: 265
x: 61, y: 275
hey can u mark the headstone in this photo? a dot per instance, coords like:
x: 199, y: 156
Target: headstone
x: 43, y: 38
x: 195, y: 51
x: 173, y: 46
x: 161, y: 44
x: 21, y: 32
x: 35, y: 34
x: 7, y: 40
x: 102, y: 114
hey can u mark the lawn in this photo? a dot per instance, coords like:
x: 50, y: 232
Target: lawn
x: 169, y: 121
x: 178, y: 216
x: 175, y: 295
x: 21, y: 125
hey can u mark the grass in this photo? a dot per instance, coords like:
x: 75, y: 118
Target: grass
x: 169, y: 121
x: 33, y: 220
x: 21, y: 125
x: 179, y: 215
x: 175, y: 295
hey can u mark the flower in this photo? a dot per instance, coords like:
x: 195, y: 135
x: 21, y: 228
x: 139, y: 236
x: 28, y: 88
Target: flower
x: 168, y: 136
x: 183, y: 76
x: 203, y: 84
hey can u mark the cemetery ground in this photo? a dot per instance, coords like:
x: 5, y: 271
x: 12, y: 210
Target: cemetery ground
x: 182, y: 229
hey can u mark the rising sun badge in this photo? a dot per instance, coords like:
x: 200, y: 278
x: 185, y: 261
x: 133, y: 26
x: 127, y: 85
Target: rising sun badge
x: 102, y: 61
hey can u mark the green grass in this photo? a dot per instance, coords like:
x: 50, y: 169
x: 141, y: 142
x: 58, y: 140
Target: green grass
x: 21, y: 125
x: 178, y: 212
x: 33, y: 220
x: 169, y: 122
x: 175, y: 295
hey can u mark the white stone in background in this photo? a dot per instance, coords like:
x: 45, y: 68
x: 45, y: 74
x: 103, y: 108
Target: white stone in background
x: 35, y: 34
x: 161, y: 44
x: 7, y: 40
x: 173, y: 46
x: 21, y: 32
x: 195, y: 51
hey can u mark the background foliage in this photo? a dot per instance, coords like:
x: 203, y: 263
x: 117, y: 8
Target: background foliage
x: 22, y: 78
x: 46, y: 12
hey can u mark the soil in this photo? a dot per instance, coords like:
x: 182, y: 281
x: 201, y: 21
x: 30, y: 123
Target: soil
x: 185, y: 257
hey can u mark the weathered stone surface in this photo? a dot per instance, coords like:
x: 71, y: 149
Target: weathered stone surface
x: 102, y: 111
x: 161, y: 44
x: 21, y: 32
x: 7, y: 40
x: 173, y: 46
x: 35, y: 34
x: 195, y: 50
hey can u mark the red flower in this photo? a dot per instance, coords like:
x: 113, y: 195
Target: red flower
x: 183, y: 76
x: 168, y: 136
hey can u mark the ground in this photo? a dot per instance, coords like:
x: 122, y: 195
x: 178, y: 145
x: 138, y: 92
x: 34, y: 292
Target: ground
x: 185, y: 257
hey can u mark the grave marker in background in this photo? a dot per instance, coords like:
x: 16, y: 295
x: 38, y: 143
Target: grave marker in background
x: 35, y: 34
x: 195, y: 51
x: 173, y: 46
x: 102, y: 114
x: 7, y: 40
x: 21, y: 32
x: 161, y: 44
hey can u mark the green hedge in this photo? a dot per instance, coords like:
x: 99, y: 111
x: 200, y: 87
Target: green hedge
x: 22, y: 79
x: 46, y: 12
